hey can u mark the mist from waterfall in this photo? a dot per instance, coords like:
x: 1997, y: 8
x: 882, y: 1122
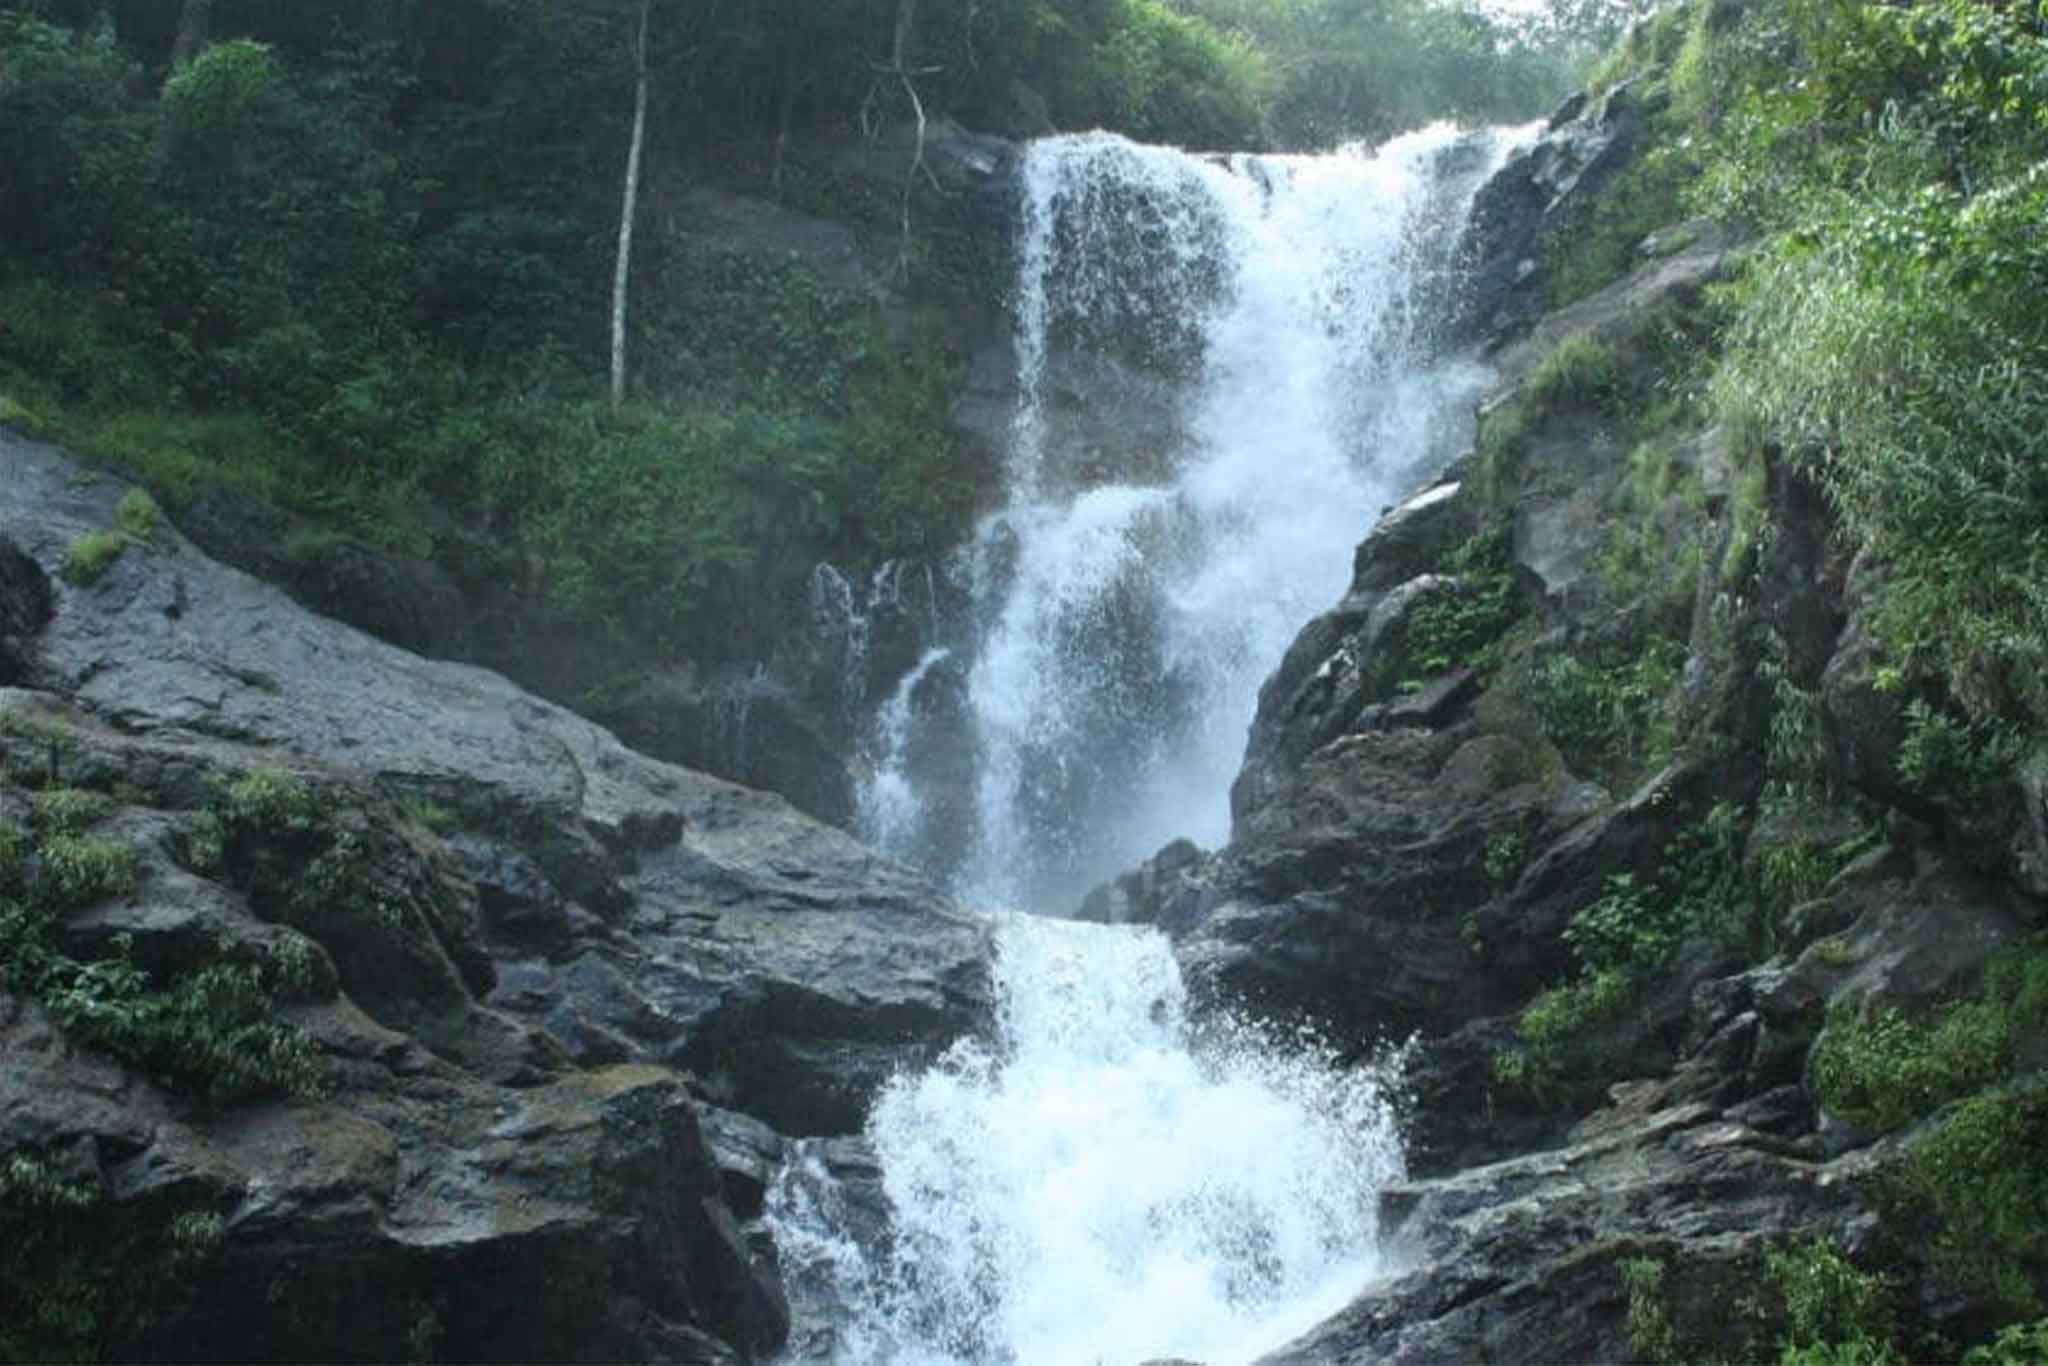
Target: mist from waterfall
x: 1101, y: 1182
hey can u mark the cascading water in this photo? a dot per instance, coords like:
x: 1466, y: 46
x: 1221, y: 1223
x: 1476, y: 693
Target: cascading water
x: 1103, y: 1182
x: 1138, y: 585
x: 1098, y: 1184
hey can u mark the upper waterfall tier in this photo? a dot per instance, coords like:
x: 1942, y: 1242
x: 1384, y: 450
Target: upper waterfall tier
x: 1225, y: 367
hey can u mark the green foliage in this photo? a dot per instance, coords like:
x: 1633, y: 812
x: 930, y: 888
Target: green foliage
x: 2017, y: 1344
x: 1884, y: 1069
x: 201, y: 842
x: 1890, y: 338
x: 219, y: 92
x: 1457, y: 626
x: 1552, y: 1030
x: 1981, y: 1179
x: 1623, y: 938
x: 1580, y: 372
x: 88, y: 558
x: 137, y: 515
x: 1597, y: 243
x: 210, y: 1031
x: 429, y: 814
x: 1650, y: 1330
x: 76, y: 870
x: 1700, y: 891
x: 1853, y: 1352
x: 81, y: 1277
x: 1505, y: 856
x: 1835, y: 1314
x: 1612, y: 711
x: 68, y: 810
x: 1943, y: 756
x: 273, y: 803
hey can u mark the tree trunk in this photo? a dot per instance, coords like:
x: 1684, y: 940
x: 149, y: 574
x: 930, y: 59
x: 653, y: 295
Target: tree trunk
x: 632, y: 199
x: 195, y: 26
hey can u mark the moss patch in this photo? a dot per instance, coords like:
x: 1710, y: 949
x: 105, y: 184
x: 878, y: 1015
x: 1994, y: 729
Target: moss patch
x: 88, y: 558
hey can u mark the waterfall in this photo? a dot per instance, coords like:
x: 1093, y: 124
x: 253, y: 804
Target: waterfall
x: 889, y: 808
x: 1099, y: 1183
x: 1225, y: 368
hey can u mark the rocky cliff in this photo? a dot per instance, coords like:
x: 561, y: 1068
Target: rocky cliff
x: 1723, y: 996
x: 358, y: 1006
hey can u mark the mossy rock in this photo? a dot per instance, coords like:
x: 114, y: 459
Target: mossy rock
x: 379, y: 893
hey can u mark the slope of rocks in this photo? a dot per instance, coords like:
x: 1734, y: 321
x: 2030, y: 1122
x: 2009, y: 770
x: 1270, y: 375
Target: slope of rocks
x: 502, y: 967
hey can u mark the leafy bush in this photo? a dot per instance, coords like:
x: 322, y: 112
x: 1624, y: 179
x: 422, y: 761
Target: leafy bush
x: 137, y: 515
x: 1454, y: 628
x: 83, y: 1278
x: 1942, y: 756
x: 2017, y: 1344
x: 1981, y: 1178
x: 90, y: 556
x: 1610, y: 713
x: 1884, y: 1069
x: 74, y: 871
x: 1891, y: 338
x: 1835, y: 1313
x: 211, y: 1031
x: 68, y: 810
x: 1650, y: 1330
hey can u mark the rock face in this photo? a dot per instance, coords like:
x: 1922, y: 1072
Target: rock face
x: 1586, y: 142
x: 1590, y: 788
x: 513, y: 1030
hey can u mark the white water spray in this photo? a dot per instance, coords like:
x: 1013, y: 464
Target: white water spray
x: 889, y: 809
x: 1097, y: 1185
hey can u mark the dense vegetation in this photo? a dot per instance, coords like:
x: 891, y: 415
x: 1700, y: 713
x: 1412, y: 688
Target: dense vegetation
x: 1881, y: 343
x: 357, y: 258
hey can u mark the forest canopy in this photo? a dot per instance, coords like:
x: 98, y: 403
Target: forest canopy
x: 356, y: 256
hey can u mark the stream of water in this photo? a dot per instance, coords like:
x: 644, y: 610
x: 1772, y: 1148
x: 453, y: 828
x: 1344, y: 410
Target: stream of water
x: 1226, y: 368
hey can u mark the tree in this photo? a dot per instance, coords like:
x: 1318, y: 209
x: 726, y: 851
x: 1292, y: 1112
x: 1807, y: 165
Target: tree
x: 195, y: 27
x: 632, y: 198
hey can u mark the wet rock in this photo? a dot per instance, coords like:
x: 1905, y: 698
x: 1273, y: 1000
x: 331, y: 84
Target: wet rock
x: 25, y: 604
x: 752, y: 729
x: 1586, y: 142
x: 789, y: 966
x: 1520, y: 1260
x: 504, y: 1163
x: 1412, y: 538
x: 408, y: 602
x: 1167, y: 889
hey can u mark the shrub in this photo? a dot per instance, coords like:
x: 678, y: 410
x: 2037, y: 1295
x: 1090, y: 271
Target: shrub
x: 92, y: 555
x: 1456, y: 627
x: 1650, y: 1330
x: 1884, y: 1069
x: 69, y: 810
x: 1835, y: 1314
x: 1611, y: 709
x: 137, y: 515
x: 74, y: 871
x: 272, y: 802
x: 1942, y: 756
x: 2017, y: 1344
x: 211, y: 1032
x: 1981, y: 1177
